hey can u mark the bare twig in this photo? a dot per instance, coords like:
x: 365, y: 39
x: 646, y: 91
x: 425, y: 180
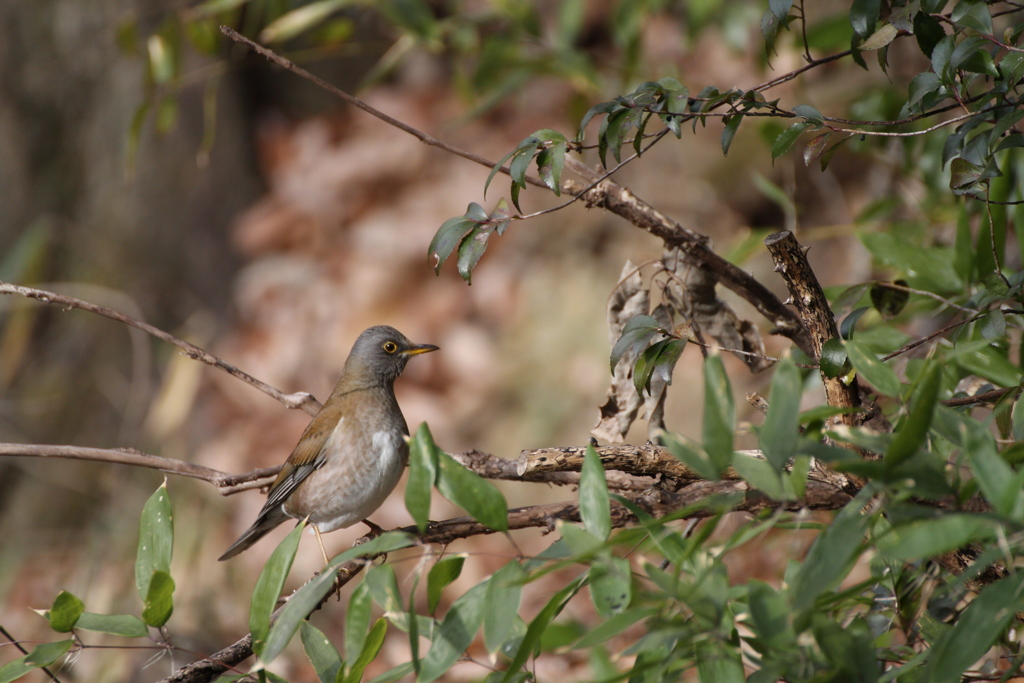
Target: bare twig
x: 300, y: 399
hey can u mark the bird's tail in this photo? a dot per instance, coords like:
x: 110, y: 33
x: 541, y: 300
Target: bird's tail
x: 260, y: 528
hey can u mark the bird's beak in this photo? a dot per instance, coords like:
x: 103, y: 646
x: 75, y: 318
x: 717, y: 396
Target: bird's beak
x: 419, y: 348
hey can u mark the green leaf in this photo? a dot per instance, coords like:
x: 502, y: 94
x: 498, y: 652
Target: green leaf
x: 875, y: 372
x: 973, y: 15
x: 975, y: 630
x: 448, y: 237
x: 549, y: 164
x: 913, y: 431
x: 926, y: 538
x: 611, y: 585
x: 302, y: 602
x: 810, y: 113
x: 834, y: 361
x: 613, y: 627
x: 65, y: 612
x: 423, y: 454
x: 761, y: 475
x: 357, y: 618
x: 769, y: 613
x: 692, y: 455
x: 269, y: 585
x: 832, y: 554
x: 455, y: 634
x: 156, y: 537
x: 888, y: 301
x: 595, y: 507
x: 781, y: 433
x: 504, y: 591
x: 299, y: 20
x: 374, y: 641
x: 477, y: 496
x: 321, y: 653
x: 659, y: 358
x: 637, y: 331
x: 41, y: 655
x: 732, y: 124
x: 719, y: 413
x: 981, y: 359
x: 539, y: 624
x: 521, y: 161
x: 127, y: 625
x: 718, y: 662
x: 788, y: 138
x: 863, y: 15
x: 159, y: 603
x: 441, y: 575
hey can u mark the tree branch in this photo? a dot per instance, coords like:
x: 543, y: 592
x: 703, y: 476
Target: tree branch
x: 300, y: 399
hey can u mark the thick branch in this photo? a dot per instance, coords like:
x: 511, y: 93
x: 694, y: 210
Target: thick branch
x: 297, y: 400
x: 620, y: 200
x: 807, y: 295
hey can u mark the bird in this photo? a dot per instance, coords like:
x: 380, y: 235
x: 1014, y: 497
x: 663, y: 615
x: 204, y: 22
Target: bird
x: 351, y: 455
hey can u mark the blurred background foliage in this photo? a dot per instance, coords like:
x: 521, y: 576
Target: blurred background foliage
x: 153, y: 167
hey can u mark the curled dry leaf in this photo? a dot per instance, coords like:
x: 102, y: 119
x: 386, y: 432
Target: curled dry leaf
x: 630, y: 299
x: 692, y: 293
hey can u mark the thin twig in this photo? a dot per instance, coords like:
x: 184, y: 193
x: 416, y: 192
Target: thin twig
x: 300, y: 399
x: 23, y: 651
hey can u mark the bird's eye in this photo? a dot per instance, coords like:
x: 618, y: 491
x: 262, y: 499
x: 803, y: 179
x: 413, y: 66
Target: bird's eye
x: 390, y: 346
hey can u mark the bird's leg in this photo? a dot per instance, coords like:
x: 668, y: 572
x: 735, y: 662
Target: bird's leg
x: 320, y: 542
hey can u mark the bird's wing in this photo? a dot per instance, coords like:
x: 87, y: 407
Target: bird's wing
x: 307, y: 457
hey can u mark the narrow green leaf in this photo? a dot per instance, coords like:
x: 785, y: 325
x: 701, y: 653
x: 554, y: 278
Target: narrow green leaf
x: 761, y: 475
x: 692, y: 455
x: 474, y: 494
x: 472, y: 249
x: 422, y: 476
x: 539, y: 624
x: 637, y: 331
x: 321, y: 653
x: 504, y: 591
x: 521, y: 160
x: 448, y: 237
x: 441, y: 575
x: 299, y: 20
x: 127, y: 625
x: 832, y: 554
x: 718, y: 663
x: 549, y: 164
x: 810, y: 113
x: 788, y: 138
x: 357, y: 618
x: 926, y: 538
x: 732, y: 124
x: 770, y: 615
x: 65, y: 612
x: 875, y: 372
x: 975, y: 630
x: 595, y: 510
x: 269, y: 585
x: 309, y: 596
x: 159, y: 603
x: 156, y: 537
x: 781, y: 432
x: 374, y: 641
x: 613, y: 627
x: 719, y: 413
x: 611, y: 585
x: 457, y: 630
x: 913, y: 431
x: 984, y: 360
